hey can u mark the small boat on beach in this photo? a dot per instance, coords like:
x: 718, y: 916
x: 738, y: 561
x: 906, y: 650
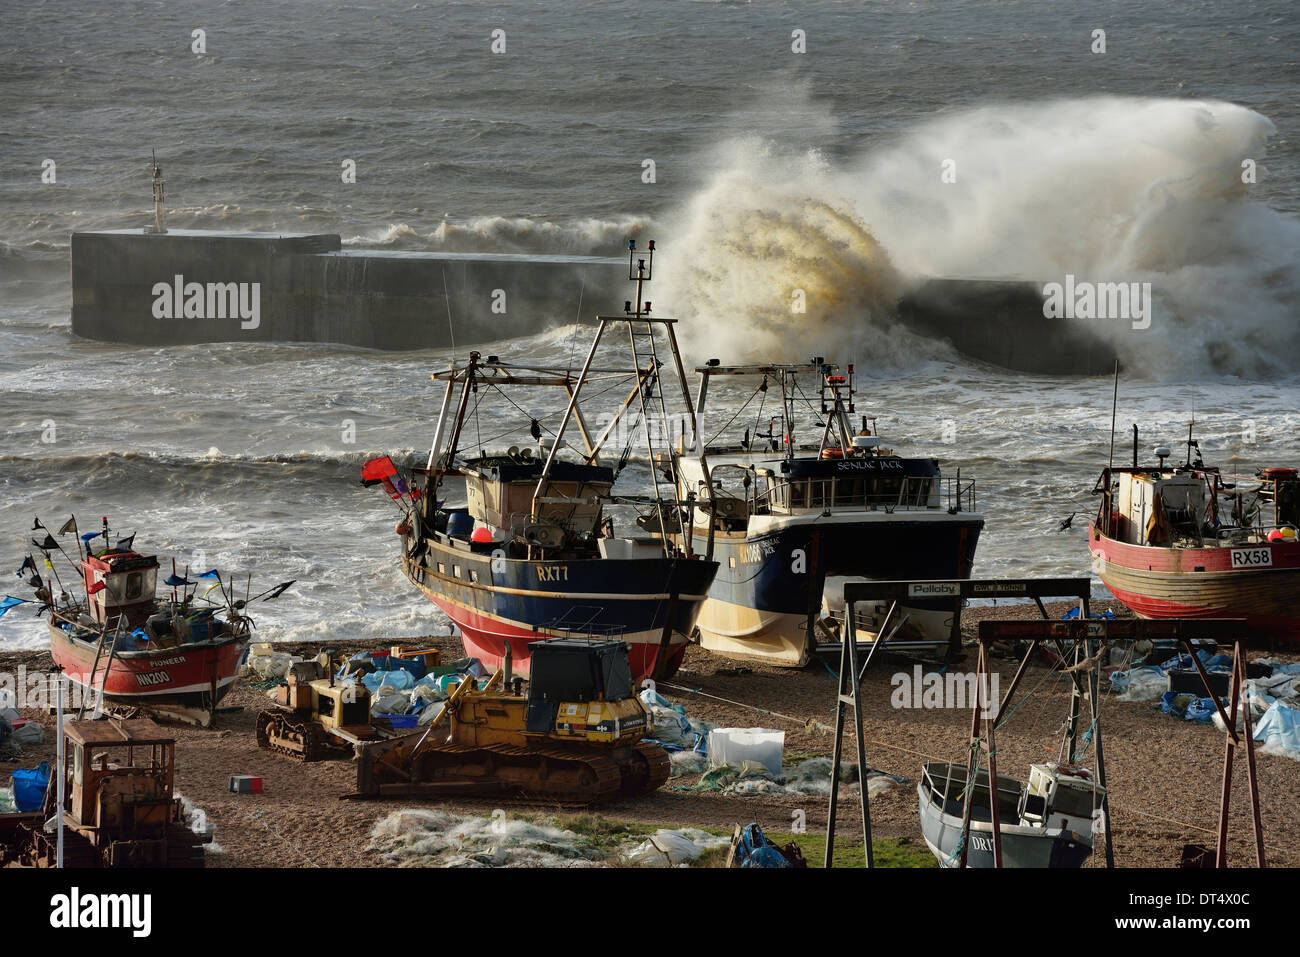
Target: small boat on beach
x: 1046, y: 821
x: 127, y: 649
x: 1190, y: 541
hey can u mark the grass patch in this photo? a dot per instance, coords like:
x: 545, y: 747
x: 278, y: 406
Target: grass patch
x: 611, y: 834
x: 888, y: 851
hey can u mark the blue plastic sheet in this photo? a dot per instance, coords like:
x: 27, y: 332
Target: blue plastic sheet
x: 1279, y: 730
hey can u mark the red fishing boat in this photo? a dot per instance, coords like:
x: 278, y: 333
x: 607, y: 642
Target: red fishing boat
x: 124, y: 647
x: 1189, y: 541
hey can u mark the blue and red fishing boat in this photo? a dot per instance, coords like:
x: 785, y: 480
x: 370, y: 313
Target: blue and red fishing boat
x: 531, y: 551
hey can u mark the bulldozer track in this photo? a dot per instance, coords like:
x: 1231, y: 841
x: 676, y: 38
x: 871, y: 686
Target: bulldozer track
x: 275, y: 726
x: 541, y: 776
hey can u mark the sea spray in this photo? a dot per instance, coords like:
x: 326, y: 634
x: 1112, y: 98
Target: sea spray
x: 767, y: 259
x: 1107, y: 189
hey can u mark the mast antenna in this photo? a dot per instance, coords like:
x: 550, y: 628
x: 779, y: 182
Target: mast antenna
x: 159, y: 193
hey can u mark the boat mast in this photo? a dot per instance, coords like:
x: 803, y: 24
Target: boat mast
x: 650, y: 392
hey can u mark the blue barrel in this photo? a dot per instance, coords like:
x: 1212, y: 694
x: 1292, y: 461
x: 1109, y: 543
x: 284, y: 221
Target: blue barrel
x: 30, y: 785
x: 460, y: 524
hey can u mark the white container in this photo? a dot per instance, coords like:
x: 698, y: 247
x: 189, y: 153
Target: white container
x: 734, y: 746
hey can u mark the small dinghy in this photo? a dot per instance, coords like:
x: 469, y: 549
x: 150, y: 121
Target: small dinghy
x: 1044, y: 822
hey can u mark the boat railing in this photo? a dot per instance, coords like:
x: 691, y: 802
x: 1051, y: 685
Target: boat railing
x: 907, y: 494
x: 1228, y: 513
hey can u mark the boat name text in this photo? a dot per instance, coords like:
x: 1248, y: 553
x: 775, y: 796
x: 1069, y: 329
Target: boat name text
x: 1251, y: 557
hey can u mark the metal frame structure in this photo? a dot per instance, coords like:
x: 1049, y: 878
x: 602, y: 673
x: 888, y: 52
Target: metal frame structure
x: 850, y: 676
x: 1087, y: 633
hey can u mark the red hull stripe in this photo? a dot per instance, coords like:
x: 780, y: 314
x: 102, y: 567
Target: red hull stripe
x: 1203, y: 583
x: 484, y: 636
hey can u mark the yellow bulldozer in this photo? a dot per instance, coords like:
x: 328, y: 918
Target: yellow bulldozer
x: 573, y: 738
x: 315, y: 716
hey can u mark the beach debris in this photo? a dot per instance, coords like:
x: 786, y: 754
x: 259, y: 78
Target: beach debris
x: 811, y: 776
x: 688, y: 762
x: 674, y: 848
x: 1279, y: 731
x: 245, y: 784
x: 269, y: 665
x: 434, y: 838
x: 672, y: 727
x: 26, y: 733
x: 741, y: 746
x: 29, y: 786
x: 750, y: 847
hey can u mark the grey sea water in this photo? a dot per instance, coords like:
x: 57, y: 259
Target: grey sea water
x: 774, y: 169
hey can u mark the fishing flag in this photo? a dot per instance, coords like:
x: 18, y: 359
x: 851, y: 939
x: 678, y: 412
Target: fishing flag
x: 125, y: 544
x: 36, y: 524
x: 278, y: 590
x: 9, y: 602
x: 377, y: 470
x: 87, y: 536
x: 95, y: 588
x: 27, y: 566
x: 69, y: 526
x: 46, y: 545
x: 175, y: 581
x: 210, y: 573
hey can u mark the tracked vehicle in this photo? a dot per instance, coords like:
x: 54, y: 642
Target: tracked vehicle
x: 120, y: 808
x: 573, y: 737
x: 316, y: 717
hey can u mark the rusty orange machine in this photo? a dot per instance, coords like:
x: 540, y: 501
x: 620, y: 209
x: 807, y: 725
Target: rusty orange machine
x: 119, y: 808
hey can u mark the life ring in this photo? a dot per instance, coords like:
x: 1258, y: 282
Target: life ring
x: 832, y: 452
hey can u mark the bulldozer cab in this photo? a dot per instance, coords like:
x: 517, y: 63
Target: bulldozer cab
x: 567, y: 670
x: 120, y: 775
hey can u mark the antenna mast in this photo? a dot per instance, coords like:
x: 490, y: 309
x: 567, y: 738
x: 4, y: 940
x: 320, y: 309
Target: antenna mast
x: 159, y: 189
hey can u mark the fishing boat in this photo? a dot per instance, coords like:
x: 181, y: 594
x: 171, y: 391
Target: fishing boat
x: 532, y: 552
x: 1046, y: 821
x: 803, y: 503
x: 1189, y: 541
x: 126, y: 648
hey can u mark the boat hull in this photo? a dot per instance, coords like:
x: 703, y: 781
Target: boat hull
x: 650, y: 603
x: 1022, y: 846
x: 771, y: 578
x: 189, y: 676
x: 1260, y: 583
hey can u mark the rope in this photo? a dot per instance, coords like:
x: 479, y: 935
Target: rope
x: 736, y: 416
x: 739, y: 704
x: 271, y: 830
